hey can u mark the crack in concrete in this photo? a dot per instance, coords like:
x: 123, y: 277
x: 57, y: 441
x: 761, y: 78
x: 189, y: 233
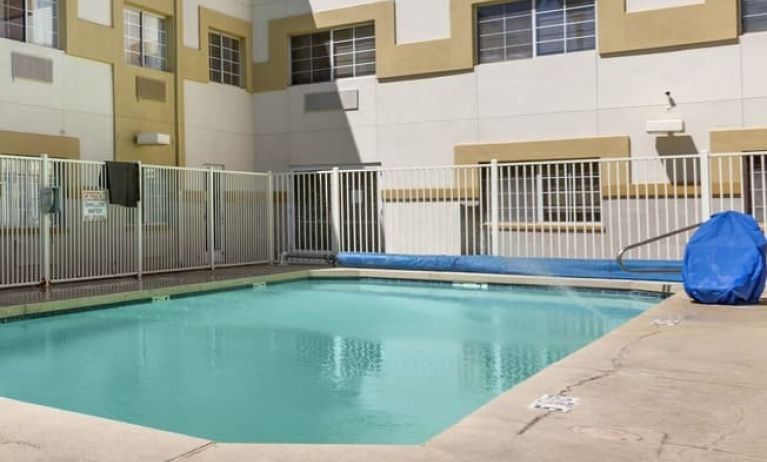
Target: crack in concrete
x: 662, y: 446
x: 6, y: 441
x: 534, y: 421
x: 193, y: 452
x: 734, y: 429
x: 710, y: 449
x: 616, y: 363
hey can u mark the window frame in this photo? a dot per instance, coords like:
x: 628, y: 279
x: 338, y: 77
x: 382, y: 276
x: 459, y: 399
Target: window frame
x: 142, y: 41
x: 332, y: 54
x: 534, y: 29
x: 536, y: 181
x: 744, y: 17
x: 27, y: 29
x: 755, y: 201
x: 240, y: 75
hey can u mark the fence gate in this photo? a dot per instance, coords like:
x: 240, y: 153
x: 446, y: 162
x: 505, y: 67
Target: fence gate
x: 21, y: 179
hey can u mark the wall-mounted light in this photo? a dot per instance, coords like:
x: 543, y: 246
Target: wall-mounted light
x: 667, y: 127
x: 153, y: 139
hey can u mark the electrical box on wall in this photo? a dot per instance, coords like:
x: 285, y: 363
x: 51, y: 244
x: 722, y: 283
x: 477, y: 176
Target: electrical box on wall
x: 153, y: 139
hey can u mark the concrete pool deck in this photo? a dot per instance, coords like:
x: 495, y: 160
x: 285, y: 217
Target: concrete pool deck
x: 681, y: 382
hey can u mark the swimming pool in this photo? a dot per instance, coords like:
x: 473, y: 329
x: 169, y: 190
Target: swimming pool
x: 312, y: 361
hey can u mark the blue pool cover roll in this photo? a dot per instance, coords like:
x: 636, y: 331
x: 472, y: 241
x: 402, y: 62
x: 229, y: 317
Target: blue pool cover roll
x: 724, y: 263
x: 602, y: 269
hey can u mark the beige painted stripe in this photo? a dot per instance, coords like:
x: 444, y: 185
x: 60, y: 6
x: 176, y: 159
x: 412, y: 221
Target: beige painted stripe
x: 33, y: 144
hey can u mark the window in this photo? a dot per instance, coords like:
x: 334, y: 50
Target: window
x: 20, y: 185
x: 146, y: 36
x: 335, y: 54
x: 756, y: 179
x: 528, y: 28
x: 33, y: 21
x: 552, y: 193
x: 754, y: 15
x: 159, y: 191
x: 224, y: 59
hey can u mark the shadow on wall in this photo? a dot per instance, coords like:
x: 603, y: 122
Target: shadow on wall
x: 680, y: 172
x: 322, y: 120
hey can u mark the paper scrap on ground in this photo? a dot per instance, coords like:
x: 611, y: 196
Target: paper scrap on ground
x: 556, y: 403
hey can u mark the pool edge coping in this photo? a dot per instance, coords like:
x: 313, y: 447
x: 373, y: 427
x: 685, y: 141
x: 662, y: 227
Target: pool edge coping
x: 53, y: 307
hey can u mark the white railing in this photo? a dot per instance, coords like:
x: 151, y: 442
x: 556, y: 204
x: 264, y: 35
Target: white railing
x: 202, y: 218
x: 168, y: 231
x: 586, y: 209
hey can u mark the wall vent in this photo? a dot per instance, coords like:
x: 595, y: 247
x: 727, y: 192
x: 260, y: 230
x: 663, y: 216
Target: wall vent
x: 344, y: 100
x: 31, y: 68
x: 150, y: 89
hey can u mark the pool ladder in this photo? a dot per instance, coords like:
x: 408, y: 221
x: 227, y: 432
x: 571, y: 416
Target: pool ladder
x: 657, y: 238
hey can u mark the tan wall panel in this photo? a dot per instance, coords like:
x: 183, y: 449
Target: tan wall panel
x: 731, y: 141
x: 667, y: 28
x: 453, y: 54
x: 33, y: 144
x: 562, y: 149
x: 739, y: 140
x: 131, y: 115
x: 128, y: 150
x: 194, y: 64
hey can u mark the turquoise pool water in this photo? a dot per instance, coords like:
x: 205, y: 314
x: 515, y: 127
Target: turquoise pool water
x: 316, y: 361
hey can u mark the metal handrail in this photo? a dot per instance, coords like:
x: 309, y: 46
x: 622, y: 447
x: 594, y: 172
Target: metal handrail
x: 660, y: 237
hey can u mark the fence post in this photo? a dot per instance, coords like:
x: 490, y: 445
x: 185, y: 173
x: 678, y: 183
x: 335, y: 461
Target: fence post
x: 494, y: 208
x: 211, y: 221
x: 705, y: 184
x: 45, y: 224
x: 140, y: 223
x: 335, y: 207
x: 270, y: 204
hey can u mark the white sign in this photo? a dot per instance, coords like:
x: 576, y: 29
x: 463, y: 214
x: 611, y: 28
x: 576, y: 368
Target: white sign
x: 94, y: 205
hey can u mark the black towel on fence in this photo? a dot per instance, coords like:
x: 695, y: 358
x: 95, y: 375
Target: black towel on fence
x: 123, y: 183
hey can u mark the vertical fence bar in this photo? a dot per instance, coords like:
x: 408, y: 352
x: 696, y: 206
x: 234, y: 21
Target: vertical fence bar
x: 270, y: 229
x: 211, y: 220
x: 140, y: 224
x: 494, y: 209
x: 45, y: 223
x: 705, y: 184
x: 335, y: 208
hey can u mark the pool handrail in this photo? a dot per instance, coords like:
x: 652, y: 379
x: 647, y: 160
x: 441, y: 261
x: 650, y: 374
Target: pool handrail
x: 657, y: 238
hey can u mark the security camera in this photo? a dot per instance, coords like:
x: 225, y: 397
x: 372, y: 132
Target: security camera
x: 668, y: 93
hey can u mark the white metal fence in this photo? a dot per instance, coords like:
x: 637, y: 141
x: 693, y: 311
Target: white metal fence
x: 169, y: 230
x: 202, y: 218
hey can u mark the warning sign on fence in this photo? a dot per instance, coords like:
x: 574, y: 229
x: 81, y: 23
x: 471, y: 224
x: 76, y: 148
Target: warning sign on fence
x: 94, y: 205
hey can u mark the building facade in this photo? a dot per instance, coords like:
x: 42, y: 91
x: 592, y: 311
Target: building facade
x: 304, y: 84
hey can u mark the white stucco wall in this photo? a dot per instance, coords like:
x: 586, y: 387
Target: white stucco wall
x: 78, y: 103
x: 98, y: 11
x: 419, y: 121
x: 644, y: 5
x: 219, y: 126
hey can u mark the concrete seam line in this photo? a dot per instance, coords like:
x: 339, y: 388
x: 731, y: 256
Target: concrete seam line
x: 193, y: 452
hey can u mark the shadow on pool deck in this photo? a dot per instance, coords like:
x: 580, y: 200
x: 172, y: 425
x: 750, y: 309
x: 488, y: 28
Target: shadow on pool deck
x: 73, y: 290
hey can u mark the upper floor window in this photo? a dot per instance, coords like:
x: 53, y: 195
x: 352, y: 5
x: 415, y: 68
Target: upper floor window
x: 225, y: 59
x: 334, y: 54
x: 528, y: 28
x: 32, y: 21
x: 146, y: 39
x: 754, y: 15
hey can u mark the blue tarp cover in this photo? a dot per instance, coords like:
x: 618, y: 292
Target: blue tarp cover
x: 603, y: 269
x: 724, y: 263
